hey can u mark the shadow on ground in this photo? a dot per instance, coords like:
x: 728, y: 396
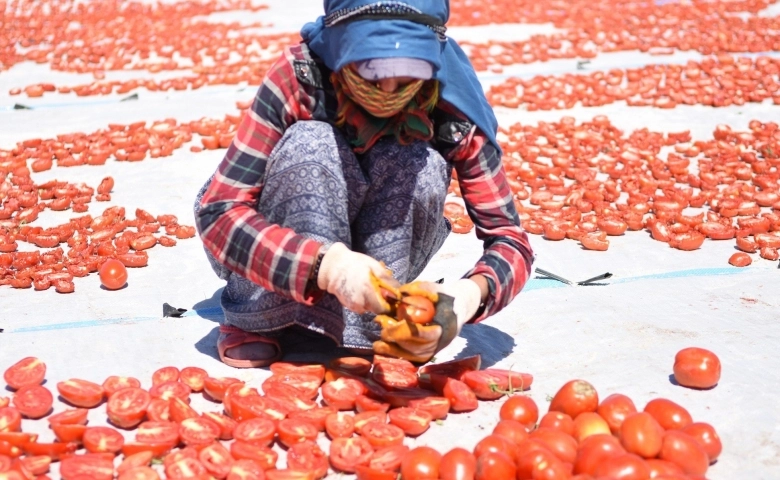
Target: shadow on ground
x: 489, y: 342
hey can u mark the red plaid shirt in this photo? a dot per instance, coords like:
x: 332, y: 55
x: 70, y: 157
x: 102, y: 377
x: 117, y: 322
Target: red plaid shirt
x: 280, y: 260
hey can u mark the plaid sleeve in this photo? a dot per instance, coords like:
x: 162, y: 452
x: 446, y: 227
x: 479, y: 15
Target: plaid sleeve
x: 276, y: 258
x: 507, y: 257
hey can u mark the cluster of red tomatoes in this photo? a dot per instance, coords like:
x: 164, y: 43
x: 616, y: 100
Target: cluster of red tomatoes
x: 579, y: 438
x: 589, y: 181
x: 717, y: 82
x: 391, y: 398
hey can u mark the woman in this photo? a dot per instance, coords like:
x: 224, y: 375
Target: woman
x: 338, y: 175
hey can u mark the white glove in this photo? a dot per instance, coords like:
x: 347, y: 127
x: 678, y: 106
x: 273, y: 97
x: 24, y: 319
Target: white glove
x: 467, y: 295
x: 347, y: 275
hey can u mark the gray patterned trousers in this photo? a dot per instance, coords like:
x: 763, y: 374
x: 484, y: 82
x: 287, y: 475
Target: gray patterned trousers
x: 386, y: 203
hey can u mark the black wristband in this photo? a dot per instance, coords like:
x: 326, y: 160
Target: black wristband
x: 315, y: 271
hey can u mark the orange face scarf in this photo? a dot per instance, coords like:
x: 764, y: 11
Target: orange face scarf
x: 374, y: 113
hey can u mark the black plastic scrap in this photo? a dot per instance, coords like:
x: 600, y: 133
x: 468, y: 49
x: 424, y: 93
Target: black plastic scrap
x: 589, y: 281
x: 169, y: 311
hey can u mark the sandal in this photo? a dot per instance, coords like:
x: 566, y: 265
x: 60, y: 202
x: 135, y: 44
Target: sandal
x: 232, y: 337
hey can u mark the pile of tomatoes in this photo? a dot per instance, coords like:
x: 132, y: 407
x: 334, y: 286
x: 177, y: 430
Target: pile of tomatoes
x: 366, y: 410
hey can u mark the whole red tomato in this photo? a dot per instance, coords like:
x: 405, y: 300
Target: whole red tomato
x: 614, y: 409
x: 113, y: 274
x: 669, y: 415
x: 416, y: 309
x: 421, y: 463
x: 558, y: 421
x: 512, y: 430
x: 520, y: 408
x: 564, y: 446
x: 696, y: 368
x: 685, y: 451
x: 594, y: 450
x: 625, y: 467
x: 575, y: 397
x: 641, y: 434
x: 458, y: 464
x: 707, y: 437
x: 494, y: 465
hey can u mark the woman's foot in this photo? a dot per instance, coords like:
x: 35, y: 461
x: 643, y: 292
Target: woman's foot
x: 241, y: 349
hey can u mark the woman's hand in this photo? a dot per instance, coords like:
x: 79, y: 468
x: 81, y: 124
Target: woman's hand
x: 347, y: 275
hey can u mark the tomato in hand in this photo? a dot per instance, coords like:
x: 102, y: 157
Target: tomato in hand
x: 113, y: 274
x: 416, y: 309
x: 27, y: 371
x: 575, y: 397
x: 421, y: 463
x: 696, y: 368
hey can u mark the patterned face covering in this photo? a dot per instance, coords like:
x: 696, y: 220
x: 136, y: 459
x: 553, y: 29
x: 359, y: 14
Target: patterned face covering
x: 374, y: 113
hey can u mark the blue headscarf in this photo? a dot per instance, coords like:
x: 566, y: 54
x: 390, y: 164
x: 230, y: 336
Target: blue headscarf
x: 339, y: 38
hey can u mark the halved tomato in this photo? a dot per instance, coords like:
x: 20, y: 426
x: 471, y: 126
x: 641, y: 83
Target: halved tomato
x: 167, y: 390
x: 102, y: 439
x: 233, y: 391
x: 292, y: 431
x: 388, y: 458
x: 381, y: 435
x: 186, y: 468
x: 461, y: 397
x: 164, y: 433
x: 259, y: 431
x: 364, y: 403
x: 140, y: 459
x: 127, y: 407
x: 193, y: 377
x: 81, y: 393
x: 115, y: 383
x: 316, y: 416
x: 391, y: 376
x: 348, y: 453
x: 342, y: 393
x: 288, y: 474
x: 412, y: 422
x: 139, y: 473
x: 264, y: 456
x: 158, y: 410
x: 354, y: 365
x: 198, y: 431
x: 438, y: 407
x: 72, y: 416
x: 179, y: 410
x: 17, y: 438
x: 216, y: 459
x: 363, y: 472
x: 453, y: 369
x: 156, y: 449
x: 53, y: 450
x: 65, y: 432
x: 225, y: 423
x: 282, y: 368
x: 92, y: 466
x: 307, y: 456
x: 164, y: 375
x: 340, y: 424
x: 307, y: 383
x: 246, y: 470
x: 36, y: 465
x: 364, y: 418
x: 33, y: 401
x: 26, y: 372
x: 215, y: 387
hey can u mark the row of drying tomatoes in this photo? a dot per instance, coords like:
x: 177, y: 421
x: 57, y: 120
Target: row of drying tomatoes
x: 588, y: 181
x: 580, y: 437
x: 714, y: 82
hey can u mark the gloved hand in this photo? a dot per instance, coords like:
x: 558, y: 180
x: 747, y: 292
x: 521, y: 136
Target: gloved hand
x: 467, y: 295
x: 411, y: 341
x: 348, y: 276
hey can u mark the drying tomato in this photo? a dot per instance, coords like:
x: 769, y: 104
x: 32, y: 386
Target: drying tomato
x: 37, y: 465
x: 614, y: 409
x: 139, y: 473
x: 18, y: 438
x: 348, y: 453
x: 27, y: 371
x: 73, y: 416
x: 587, y: 424
x: 438, y: 407
x: 52, y: 450
x: 8, y: 450
x: 511, y: 430
x: 411, y: 421
x: 683, y: 449
x: 354, y: 365
x: 245, y: 470
x: 216, y: 459
x: 307, y: 383
x: 381, y: 435
x: 113, y: 274
x: 342, y: 393
x: 193, y: 377
x: 64, y: 432
x: 94, y: 467
x: 558, y: 421
x: 668, y: 414
x: 179, y: 410
x: 141, y: 459
x: 260, y: 431
x: 364, y: 418
x: 575, y: 397
x: 127, y: 407
x: 81, y: 393
x: 461, y: 397
x: 263, y: 456
x: 641, y: 434
x: 390, y: 376
x: 340, y: 424
x: 226, y: 424
x: 388, y: 458
x: 114, y: 383
x: 416, y: 309
x: 167, y: 390
x: 215, y: 387
x: 402, y: 396
x: 520, y: 408
x: 288, y: 474
x: 292, y: 431
x: 307, y: 456
x: 102, y: 439
x: 198, y: 431
x: 625, y: 466
x: 594, y: 450
x: 364, y: 403
x: 186, y: 468
x: 33, y: 401
x: 458, y: 464
x: 421, y: 463
x: 316, y: 416
x: 164, y: 375
x: 158, y: 410
x: 707, y: 437
x: 363, y: 472
x: 161, y: 433
x: 156, y: 449
x: 696, y: 368
x: 281, y: 368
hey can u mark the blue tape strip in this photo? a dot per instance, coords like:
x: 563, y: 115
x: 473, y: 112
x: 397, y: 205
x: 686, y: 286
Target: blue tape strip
x: 532, y: 284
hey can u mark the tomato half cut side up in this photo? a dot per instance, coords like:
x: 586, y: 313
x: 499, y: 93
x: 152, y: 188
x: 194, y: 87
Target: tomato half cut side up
x: 102, y: 439
x: 10, y: 420
x: 26, y: 372
x: 307, y: 456
x: 127, y: 407
x: 81, y: 393
x: 461, y: 397
x: 263, y: 456
x: 193, y: 377
x: 33, y: 401
x: 347, y: 453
